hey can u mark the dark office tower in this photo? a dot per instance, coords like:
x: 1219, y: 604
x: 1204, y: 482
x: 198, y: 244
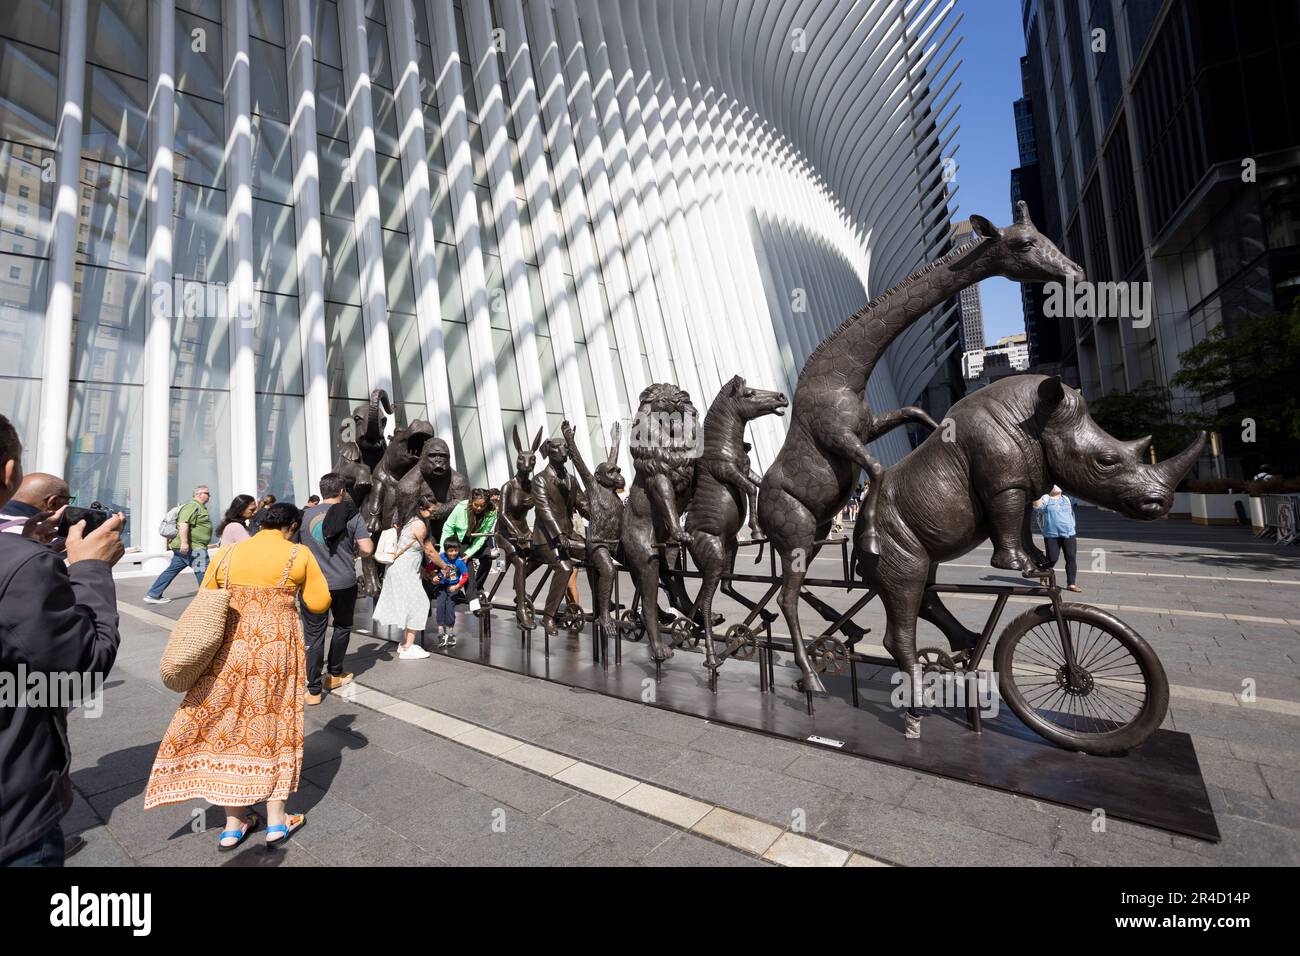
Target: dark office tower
x: 1166, y: 141
x: 972, y: 311
x: 1044, y: 334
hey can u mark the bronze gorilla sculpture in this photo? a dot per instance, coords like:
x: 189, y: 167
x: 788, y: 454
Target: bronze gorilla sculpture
x: 362, y: 445
x: 434, y: 476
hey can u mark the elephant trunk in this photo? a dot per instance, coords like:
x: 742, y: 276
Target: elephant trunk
x: 374, y: 428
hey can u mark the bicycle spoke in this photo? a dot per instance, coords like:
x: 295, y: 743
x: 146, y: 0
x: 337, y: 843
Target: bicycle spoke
x: 1105, y: 690
x: 1103, y: 704
x: 1109, y: 657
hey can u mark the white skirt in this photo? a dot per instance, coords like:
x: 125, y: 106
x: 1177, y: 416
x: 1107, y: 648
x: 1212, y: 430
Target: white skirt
x: 402, y: 601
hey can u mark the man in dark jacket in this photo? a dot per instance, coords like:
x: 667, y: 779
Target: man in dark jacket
x: 55, y: 622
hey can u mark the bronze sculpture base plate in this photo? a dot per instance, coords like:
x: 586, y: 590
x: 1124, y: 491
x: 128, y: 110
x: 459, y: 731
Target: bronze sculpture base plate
x: 1159, y: 784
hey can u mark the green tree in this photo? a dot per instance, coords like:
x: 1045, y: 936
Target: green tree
x: 1255, y: 363
x: 1146, y: 410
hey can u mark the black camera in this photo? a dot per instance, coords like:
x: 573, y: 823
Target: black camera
x: 93, y: 517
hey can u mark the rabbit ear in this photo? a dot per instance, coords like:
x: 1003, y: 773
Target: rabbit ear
x: 537, y: 442
x: 514, y: 431
x: 615, y: 434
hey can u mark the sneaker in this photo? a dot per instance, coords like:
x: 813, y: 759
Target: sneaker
x: 413, y: 653
x: 1073, y: 587
x: 311, y: 700
x: 154, y: 600
x: 334, y: 683
x: 450, y: 641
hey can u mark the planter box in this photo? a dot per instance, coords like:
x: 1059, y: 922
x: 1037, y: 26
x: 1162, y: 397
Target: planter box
x: 1257, y: 520
x: 1182, y: 506
x: 1215, y: 509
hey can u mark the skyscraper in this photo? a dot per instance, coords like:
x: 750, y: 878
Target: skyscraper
x: 972, y: 312
x: 1166, y: 138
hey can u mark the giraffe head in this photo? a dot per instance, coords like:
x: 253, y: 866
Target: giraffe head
x: 1021, y: 253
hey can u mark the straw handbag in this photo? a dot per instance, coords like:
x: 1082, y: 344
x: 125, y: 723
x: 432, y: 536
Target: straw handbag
x: 198, y: 634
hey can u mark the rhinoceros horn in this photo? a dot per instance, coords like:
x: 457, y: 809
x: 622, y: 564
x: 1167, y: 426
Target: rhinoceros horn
x: 1173, y: 470
x: 1140, y: 448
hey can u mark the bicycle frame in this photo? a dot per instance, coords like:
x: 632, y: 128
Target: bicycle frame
x: 842, y: 622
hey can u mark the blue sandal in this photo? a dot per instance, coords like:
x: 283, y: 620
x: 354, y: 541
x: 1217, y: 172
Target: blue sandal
x: 296, y: 822
x: 251, y: 824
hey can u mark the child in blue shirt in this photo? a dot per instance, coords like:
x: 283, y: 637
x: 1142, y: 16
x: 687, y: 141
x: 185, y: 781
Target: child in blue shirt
x: 447, y: 582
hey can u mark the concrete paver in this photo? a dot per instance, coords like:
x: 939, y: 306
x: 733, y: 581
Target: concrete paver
x: 384, y: 785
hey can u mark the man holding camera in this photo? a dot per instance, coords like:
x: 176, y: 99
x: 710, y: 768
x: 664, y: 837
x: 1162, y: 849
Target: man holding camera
x: 189, y: 547
x: 38, y: 492
x: 54, y: 620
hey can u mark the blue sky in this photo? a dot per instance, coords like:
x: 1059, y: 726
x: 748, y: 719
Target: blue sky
x: 990, y: 82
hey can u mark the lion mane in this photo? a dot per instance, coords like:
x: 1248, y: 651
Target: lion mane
x: 666, y: 435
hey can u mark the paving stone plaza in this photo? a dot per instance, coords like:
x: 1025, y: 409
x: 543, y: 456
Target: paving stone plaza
x: 444, y: 762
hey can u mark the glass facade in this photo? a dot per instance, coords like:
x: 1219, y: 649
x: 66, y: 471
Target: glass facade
x: 1145, y: 181
x: 550, y: 304
x: 29, y: 79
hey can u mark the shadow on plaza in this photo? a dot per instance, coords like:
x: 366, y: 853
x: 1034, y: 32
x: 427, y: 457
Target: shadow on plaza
x: 1221, y: 547
x: 117, y: 782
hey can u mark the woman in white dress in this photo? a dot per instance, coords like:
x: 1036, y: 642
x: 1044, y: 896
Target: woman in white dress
x: 402, y: 601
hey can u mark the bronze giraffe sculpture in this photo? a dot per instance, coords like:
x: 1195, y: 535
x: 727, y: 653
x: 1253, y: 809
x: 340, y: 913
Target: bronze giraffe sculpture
x: 826, y: 446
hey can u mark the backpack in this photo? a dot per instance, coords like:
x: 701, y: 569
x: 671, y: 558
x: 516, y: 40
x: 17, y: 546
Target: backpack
x: 169, y: 527
x: 386, y: 551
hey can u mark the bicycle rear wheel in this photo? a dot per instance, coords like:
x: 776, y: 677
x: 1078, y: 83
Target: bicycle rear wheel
x: 1112, y: 700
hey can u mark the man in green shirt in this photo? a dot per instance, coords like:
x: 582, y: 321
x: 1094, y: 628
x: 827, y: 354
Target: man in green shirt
x: 189, y: 547
x: 473, y: 522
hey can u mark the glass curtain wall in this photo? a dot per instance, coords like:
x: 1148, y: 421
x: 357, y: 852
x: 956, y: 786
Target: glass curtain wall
x: 29, y: 85
x: 110, y: 292
x: 403, y: 327
x: 460, y: 369
x: 503, y: 345
x: 546, y: 349
x: 281, y: 435
x: 199, y: 449
x: 606, y: 313
x: 345, y: 346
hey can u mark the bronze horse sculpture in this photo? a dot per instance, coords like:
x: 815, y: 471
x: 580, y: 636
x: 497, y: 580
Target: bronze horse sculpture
x: 724, y: 493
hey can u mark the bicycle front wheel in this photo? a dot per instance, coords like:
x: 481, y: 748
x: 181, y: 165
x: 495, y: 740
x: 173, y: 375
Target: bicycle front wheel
x: 1111, y: 700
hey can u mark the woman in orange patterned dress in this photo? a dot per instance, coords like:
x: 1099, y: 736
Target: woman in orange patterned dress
x: 237, y: 738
